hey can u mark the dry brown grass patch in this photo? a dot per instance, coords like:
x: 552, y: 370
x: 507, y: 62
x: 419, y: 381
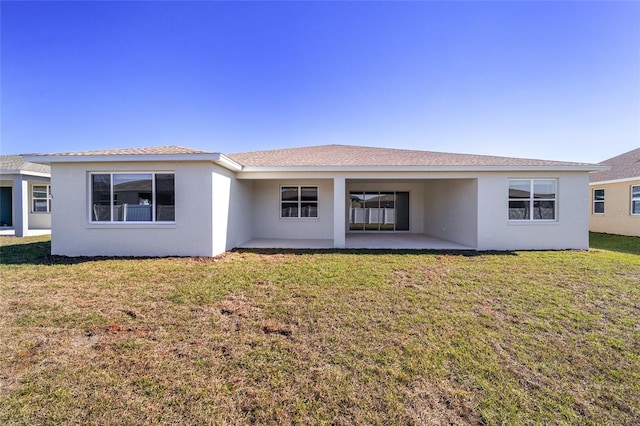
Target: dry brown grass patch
x: 273, y: 327
x: 238, y: 306
x: 442, y: 403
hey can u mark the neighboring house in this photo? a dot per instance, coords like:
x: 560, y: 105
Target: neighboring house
x: 25, y: 197
x: 615, y: 196
x: 167, y: 201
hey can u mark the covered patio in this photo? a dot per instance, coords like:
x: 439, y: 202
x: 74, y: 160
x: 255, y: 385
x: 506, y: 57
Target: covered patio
x: 394, y: 241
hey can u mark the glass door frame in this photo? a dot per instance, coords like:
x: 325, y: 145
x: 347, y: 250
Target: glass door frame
x: 377, y: 211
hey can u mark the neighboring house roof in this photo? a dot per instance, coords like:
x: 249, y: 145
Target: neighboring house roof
x: 15, y: 164
x: 623, y: 166
x: 360, y: 156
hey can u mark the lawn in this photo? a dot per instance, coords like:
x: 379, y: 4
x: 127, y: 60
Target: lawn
x: 322, y: 337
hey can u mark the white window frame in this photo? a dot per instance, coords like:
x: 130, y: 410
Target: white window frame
x: 532, y: 199
x: 594, y: 201
x: 634, y: 199
x: 299, y: 202
x: 47, y: 198
x: 127, y: 172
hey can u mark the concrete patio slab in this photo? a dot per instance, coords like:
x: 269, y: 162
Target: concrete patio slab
x: 362, y: 241
x: 401, y: 241
x: 281, y: 243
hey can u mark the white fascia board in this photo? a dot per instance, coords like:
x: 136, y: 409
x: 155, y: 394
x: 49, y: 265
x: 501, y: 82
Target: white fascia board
x: 119, y: 158
x: 217, y: 158
x: 25, y: 173
x: 228, y: 163
x: 605, y: 182
x: 345, y: 169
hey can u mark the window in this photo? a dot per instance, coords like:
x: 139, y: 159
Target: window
x: 532, y: 199
x: 132, y: 197
x: 635, y: 199
x: 598, y: 201
x: 298, y: 201
x: 41, y: 198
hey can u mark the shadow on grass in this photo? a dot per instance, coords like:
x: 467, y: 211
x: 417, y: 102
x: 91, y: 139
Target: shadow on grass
x: 617, y: 243
x: 38, y: 253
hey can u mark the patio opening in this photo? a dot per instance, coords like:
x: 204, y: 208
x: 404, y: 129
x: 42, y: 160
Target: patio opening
x: 378, y: 211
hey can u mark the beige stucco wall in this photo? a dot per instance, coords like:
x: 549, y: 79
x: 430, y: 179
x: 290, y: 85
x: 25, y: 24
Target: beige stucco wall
x: 39, y: 220
x: 617, y: 217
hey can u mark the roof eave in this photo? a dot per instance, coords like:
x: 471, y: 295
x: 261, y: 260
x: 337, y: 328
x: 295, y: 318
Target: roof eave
x: 125, y: 158
x: 217, y: 158
x: 25, y: 173
x: 533, y: 168
x: 228, y: 163
x: 620, y: 180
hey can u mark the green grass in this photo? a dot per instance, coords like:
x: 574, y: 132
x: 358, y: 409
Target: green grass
x: 617, y: 243
x: 321, y: 337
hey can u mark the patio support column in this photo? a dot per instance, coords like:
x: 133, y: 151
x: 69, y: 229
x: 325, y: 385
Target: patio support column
x: 339, y: 212
x: 20, y: 206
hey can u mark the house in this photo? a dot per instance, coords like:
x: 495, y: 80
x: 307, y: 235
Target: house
x: 615, y: 196
x: 25, y: 197
x: 166, y: 201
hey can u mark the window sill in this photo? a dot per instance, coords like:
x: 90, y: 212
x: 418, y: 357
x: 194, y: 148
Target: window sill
x: 391, y: 231
x: 533, y: 222
x: 132, y: 225
x: 299, y: 219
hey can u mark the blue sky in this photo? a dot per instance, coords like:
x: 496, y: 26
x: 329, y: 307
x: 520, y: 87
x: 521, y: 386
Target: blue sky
x: 555, y: 80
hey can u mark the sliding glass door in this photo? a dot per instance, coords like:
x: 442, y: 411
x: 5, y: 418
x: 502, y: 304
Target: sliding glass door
x: 378, y: 211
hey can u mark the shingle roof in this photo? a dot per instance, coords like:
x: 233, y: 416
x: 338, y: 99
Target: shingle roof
x: 16, y: 162
x: 334, y: 156
x: 154, y: 150
x: 623, y: 166
x: 358, y: 156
